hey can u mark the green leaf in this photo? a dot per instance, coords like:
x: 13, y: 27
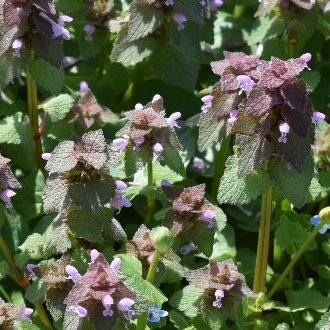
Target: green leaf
x: 92, y: 48
x: 57, y: 107
x: 130, y: 265
x: 37, y: 291
x: 204, y: 239
x: 47, y: 76
x: 220, y: 219
x: 316, y: 192
x: 173, y: 160
x: 252, y: 153
x: 89, y: 225
x: 172, y: 65
x: 292, y: 184
x: 324, y: 322
x: 237, y: 190
x: 14, y: 130
x: 187, y: 300
x: 211, y: 130
x: 33, y: 246
x: 10, y: 67
x: 192, y: 10
x: 290, y: 232
x: 71, y: 321
x: 54, y: 302
x: 323, y: 271
x: 144, y: 19
x: 178, y: 320
x: 307, y: 299
x: 266, y: 27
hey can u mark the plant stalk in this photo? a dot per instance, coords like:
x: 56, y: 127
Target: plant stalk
x: 278, y: 255
x: 150, y: 200
x: 33, y: 118
x: 263, y: 242
x: 220, y: 166
x: 294, y: 259
x: 22, y: 281
x: 142, y: 320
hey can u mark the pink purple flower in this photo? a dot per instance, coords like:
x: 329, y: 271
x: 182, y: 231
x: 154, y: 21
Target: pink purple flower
x: 208, y: 216
x: 158, y: 149
x: 165, y: 183
x: 199, y: 164
x: 246, y: 83
x: 219, y: 294
x: 156, y: 98
x: 284, y: 129
x: 73, y: 273
x: 46, y: 156
x: 317, y: 117
x: 125, y: 305
x: 120, y: 185
x: 6, y: 196
x: 138, y: 141
x: 115, y: 264
x: 89, y: 29
x: 232, y: 117
x: 24, y: 314
x: 57, y: 29
x: 207, y: 100
x: 29, y: 268
x: 180, y: 18
x: 83, y: 87
x: 173, y: 118
x: 107, y: 301
x: 17, y: 45
x: 186, y: 249
x: 215, y: 4
x: 169, y: 2
x: 94, y: 254
x: 138, y: 106
x: 79, y: 310
x: 118, y: 202
x: 120, y: 144
x: 306, y: 57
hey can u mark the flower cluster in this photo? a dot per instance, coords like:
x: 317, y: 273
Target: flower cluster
x: 8, y: 182
x: 38, y: 25
x: 10, y: 314
x: 87, y: 110
x: 190, y: 208
x: 148, y: 129
x: 100, y: 293
x: 77, y: 174
x: 266, y: 101
x: 220, y: 282
x: 141, y: 246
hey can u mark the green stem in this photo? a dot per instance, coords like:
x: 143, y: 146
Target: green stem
x: 220, y: 166
x: 150, y: 200
x: 22, y: 281
x: 294, y: 259
x: 5, y: 294
x: 263, y: 242
x: 278, y: 255
x: 142, y: 320
x: 33, y: 118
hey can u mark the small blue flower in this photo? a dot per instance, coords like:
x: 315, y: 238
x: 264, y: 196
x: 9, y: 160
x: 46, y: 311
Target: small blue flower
x: 155, y: 313
x: 315, y: 220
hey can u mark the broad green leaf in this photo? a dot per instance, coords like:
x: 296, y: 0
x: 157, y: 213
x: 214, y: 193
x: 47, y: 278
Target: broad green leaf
x: 144, y: 19
x: 47, y: 76
x: 323, y: 271
x: 36, y: 292
x: 307, y: 299
x: 172, y: 65
x: 173, y: 160
x: 15, y: 130
x: 57, y: 107
x: 235, y: 189
x: 130, y: 265
x: 4, y: 269
x: 292, y: 184
x: 324, y: 322
x: 187, y: 300
x: 316, y: 192
x: 178, y: 320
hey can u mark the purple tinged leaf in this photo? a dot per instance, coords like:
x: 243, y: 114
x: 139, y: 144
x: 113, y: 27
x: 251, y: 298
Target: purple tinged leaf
x: 295, y: 94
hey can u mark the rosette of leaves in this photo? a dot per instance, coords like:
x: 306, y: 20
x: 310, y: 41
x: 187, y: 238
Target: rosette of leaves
x: 149, y: 123
x: 221, y: 288
x: 54, y: 283
x: 21, y: 20
x: 99, y: 281
x: 7, y: 181
x: 226, y: 95
x: 88, y: 111
x: 9, y: 313
x: 187, y: 216
x: 77, y: 175
x: 141, y: 247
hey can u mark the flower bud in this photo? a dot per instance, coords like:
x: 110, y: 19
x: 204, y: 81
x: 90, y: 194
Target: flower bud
x: 162, y: 239
x: 325, y: 215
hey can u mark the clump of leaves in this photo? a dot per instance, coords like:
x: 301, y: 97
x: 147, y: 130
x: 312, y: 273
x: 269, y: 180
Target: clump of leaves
x: 88, y: 111
x: 192, y: 214
x: 100, y: 294
x: 7, y: 182
x: 222, y: 288
x: 267, y: 6
x: 77, y: 174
